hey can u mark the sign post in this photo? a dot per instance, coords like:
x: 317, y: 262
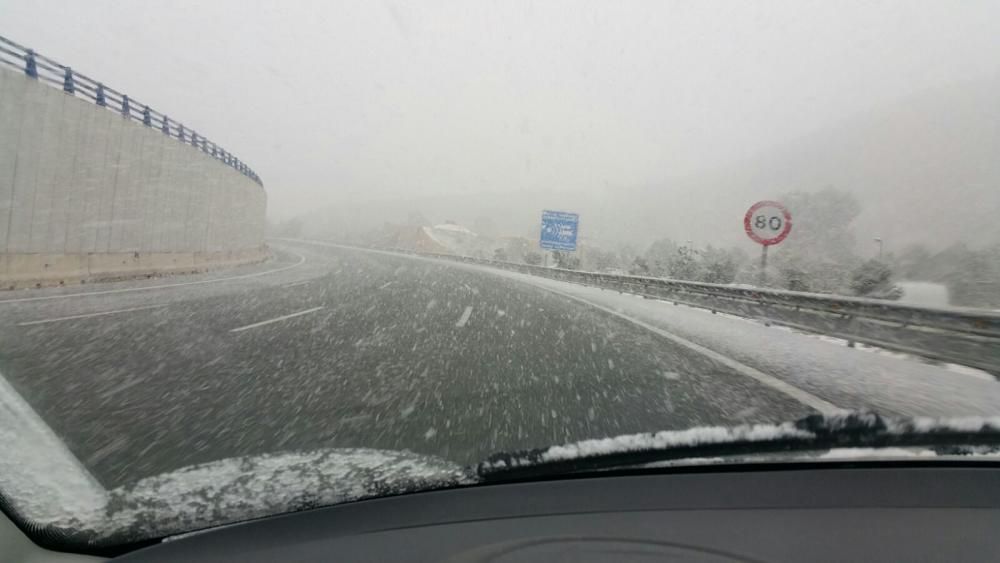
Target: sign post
x: 767, y: 223
x: 559, y: 230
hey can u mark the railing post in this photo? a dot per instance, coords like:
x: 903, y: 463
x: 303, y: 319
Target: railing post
x: 30, y: 67
x: 68, y: 85
x: 101, y: 96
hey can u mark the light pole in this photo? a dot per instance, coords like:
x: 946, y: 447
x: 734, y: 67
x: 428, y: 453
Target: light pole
x: 879, y: 241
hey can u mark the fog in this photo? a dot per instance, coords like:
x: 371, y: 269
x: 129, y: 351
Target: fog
x: 628, y: 109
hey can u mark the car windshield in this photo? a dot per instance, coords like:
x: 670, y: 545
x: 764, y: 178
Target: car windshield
x: 262, y: 257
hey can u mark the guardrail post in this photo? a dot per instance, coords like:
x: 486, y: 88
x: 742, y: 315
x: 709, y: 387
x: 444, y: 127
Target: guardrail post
x: 165, y: 126
x: 180, y: 132
x: 126, y: 110
x: 194, y: 139
x: 215, y: 151
x: 147, y: 118
x: 68, y: 85
x: 100, y: 99
x: 30, y: 66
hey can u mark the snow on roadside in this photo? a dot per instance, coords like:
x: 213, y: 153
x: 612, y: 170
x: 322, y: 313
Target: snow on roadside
x: 852, y: 378
x: 955, y: 368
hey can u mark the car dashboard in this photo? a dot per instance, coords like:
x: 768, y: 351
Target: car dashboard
x: 781, y: 512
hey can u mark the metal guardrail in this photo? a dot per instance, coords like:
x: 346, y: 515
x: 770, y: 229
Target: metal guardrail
x: 79, y: 85
x: 969, y: 337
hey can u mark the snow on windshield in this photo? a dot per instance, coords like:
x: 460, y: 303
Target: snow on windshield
x: 233, y: 490
x: 667, y: 439
x: 810, y: 428
x: 572, y: 228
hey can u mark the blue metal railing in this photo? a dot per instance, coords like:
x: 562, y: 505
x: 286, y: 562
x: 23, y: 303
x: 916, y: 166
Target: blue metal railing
x: 79, y: 85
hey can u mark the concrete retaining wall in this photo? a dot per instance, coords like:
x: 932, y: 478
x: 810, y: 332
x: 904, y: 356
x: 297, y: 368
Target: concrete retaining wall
x: 86, y: 194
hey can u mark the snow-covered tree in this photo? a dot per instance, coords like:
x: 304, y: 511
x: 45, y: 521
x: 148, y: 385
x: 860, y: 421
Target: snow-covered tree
x: 720, y: 265
x: 566, y: 260
x: 685, y: 264
x: 874, y: 279
x: 598, y: 259
x: 639, y: 267
x: 819, y: 252
x: 659, y: 255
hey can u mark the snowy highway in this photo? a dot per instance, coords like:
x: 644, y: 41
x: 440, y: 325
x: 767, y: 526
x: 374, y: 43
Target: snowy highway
x: 327, y: 346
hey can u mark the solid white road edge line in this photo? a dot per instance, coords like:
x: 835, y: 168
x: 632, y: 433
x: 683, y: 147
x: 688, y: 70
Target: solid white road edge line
x: 277, y: 319
x: 302, y: 260
x: 465, y: 317
x: 804, y: 397
x: 88, y: 315
x: 800, y: 395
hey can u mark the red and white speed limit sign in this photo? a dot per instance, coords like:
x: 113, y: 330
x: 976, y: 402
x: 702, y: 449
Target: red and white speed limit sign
x: 767, y: 222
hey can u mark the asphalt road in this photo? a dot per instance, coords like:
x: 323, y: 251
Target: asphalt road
x: 335, y: 347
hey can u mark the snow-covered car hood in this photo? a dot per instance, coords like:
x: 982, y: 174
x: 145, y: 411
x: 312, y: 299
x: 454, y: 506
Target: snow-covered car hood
x: 238, y: 489
x: 45, y: 487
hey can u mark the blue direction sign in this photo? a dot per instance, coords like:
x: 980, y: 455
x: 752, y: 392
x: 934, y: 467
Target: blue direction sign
x: 559, y: 230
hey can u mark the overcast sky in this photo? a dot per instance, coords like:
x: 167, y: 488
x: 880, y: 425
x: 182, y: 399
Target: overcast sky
x: 333, y: 101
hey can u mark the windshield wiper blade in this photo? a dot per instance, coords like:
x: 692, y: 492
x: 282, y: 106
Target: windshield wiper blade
x: 812, y: 433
